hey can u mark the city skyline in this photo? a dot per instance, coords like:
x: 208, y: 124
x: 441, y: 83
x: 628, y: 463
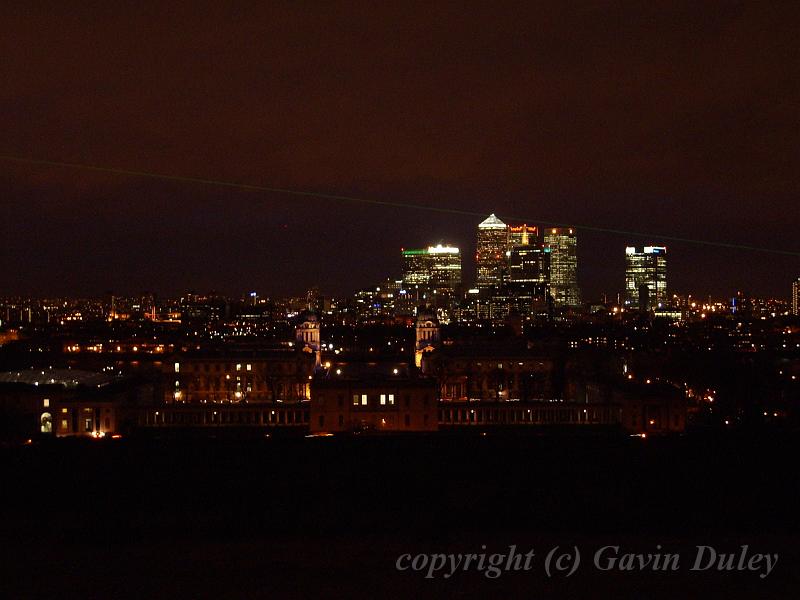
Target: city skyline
x: 400, y: 299
x: 514, y: 233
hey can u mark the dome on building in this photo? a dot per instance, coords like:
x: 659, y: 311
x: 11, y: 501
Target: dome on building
x: 426, y: 313
x: 308, y: 316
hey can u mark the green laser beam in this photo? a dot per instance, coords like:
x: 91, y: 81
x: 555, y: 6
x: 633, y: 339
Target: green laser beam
x: 388, y: 203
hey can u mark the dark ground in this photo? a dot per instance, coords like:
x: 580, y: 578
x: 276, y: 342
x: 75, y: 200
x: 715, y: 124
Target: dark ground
x: 328, y: 517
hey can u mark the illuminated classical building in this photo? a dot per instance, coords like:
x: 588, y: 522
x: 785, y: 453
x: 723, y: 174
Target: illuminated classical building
x: 563, y: 245
x: 491, y: 254
x: 307, y: 335
x: 646, y: 276
x: 426, y: 334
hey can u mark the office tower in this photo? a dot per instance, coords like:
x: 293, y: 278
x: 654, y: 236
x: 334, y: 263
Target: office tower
x: 563, y: 244
x: 529, y: 264
x: 796, y: 297
x: 435, y: 270
x: 522, y: 235
x: 528, y: 285
x: 646, y: 276
x: 491, y: 255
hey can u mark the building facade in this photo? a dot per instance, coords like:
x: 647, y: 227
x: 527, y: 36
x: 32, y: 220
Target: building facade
x: 563, y: 244
x: 646, y: 277
x: 381, y: 404
x: 270, y: 376
x: 490, y: 258
x: 796, y: 297
x: 522, y: 235
x: 432, y: 274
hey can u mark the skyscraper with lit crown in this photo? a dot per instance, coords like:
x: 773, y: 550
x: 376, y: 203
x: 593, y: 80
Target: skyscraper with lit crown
x: 796, y: 297
x: 522, y: 235
x: 491, y: 254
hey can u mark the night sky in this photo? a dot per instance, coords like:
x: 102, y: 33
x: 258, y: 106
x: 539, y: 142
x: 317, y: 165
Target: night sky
x: 678, y: 119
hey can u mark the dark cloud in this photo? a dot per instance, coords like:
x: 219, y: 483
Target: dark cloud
x: 675, y: 118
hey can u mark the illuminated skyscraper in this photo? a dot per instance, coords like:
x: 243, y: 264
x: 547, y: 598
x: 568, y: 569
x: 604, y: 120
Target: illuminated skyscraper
x: 432, y: 270
x: 522, y: 235
x: 646, y: 276
x: 491, y: 254
x: 796, y: 297
x: 563, y: 245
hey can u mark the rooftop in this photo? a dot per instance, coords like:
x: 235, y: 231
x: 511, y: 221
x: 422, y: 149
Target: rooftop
x: 492, y: 222
x: 64, y: 377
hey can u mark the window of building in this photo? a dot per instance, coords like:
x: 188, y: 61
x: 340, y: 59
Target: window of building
x: 363, y: 399
x: 249, y: 367
x: 64, y: 424
x: 46, y: 402
x: 177, y: 367
x: 87, y: 424
x: 238, y: 366
x: 46, y: 422
x: 390, y: 399
x: 355, y: 399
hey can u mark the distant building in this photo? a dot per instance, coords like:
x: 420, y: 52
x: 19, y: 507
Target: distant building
x: 796, y: 297
x: 246, y: 377
x: 529, y: 273
x: 563, y: 245
x: 426, y: 334
x: 432, y: 271
x: 522, y: 235
x: 62, y: 402
x: 491, y: 253
x: 379, y: 404
x: 307, y: 335
x: 529, y: 264
x: 646, y: 277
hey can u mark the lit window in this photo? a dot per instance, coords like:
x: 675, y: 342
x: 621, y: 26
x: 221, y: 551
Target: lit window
x: 64, y: 424
x: 64, y: 410
x: 355, y: 399
x: 363, y: 399
x: 177, y: 367
x: 383, y: 399
x: 249, y: 367
x: 46, y: 403
x: 238, y: 367
x: 391, y: 398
